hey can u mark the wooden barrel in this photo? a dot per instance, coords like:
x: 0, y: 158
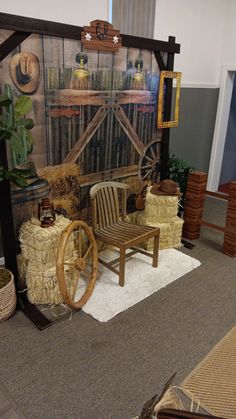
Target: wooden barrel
x: 25, y: 201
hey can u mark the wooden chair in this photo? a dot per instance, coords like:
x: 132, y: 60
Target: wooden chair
x: 110, y: 227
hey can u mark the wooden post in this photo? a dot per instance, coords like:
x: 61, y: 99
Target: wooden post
x: 167, y: 114
x: 194, y: 202
x: 229, y: 247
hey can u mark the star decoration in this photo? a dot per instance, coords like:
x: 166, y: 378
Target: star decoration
x: 88, y: 36
x: 115, y: 39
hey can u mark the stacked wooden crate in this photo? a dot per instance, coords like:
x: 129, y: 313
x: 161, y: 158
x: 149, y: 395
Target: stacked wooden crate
x: 229, y: 247
x: 194, y: 202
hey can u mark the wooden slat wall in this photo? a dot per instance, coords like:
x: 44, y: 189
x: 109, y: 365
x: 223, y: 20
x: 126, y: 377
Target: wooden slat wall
x: 33, y: 44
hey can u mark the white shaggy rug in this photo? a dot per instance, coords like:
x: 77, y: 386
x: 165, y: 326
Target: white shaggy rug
x: 141, y: 280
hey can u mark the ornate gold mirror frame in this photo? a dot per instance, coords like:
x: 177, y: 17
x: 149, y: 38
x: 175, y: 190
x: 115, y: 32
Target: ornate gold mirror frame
x: 168, y: 75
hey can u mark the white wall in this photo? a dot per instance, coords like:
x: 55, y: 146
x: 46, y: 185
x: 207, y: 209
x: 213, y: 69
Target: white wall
x: 198, y: 27
x: 73, y: 12
x: 228, y: 53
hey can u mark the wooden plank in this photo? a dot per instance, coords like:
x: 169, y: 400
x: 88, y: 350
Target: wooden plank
x: 159, y: 60
x: 150, y: 44
x: 129, y: 130
x: 4, y: 63
x: 167, y: 114
x: 9, y: 44
x: 86, y: 136
x: 220, y: 195
x: 121, y: 172
x: 32, y: 312
x: 21, y: 23
x: 72, y: 97
x: 213, y: 226
x: 33, y: 44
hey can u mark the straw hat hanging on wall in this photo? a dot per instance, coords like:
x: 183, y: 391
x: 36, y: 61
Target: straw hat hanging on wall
x: 25, y: 71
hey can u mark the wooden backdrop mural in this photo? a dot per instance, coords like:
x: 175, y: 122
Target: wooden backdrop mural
x: 93, y: 108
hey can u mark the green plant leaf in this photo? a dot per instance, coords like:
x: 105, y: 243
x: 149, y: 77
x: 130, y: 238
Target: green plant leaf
x: 30, y: 141
x: 15, y: 142
x: 5, y: 100
x: 23, y: 105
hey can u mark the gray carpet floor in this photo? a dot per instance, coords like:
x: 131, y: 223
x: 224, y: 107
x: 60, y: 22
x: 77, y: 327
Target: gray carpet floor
x: 81, y: 368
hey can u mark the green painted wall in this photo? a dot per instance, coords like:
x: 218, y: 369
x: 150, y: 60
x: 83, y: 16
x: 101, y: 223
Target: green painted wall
x: 192, y: 139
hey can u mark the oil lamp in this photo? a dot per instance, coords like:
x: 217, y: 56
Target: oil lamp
x: 138, y: 76
x: 81, y: 72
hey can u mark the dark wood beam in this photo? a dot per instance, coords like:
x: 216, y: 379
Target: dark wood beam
x: 27, y: 24
x: 167, y: 114
x: 12, y: 42
x: 160, y: 61
x: 150, y: 44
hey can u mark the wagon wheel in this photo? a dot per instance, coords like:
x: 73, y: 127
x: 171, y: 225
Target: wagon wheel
x: 149, y: 162
x: 78, y: 266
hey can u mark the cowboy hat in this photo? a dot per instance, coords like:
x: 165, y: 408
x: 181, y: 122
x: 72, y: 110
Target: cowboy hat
x: 165, y: 187
x: 25, y: 71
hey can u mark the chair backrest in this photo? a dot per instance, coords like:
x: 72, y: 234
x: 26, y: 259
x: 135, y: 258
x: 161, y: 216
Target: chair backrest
x: 105, y: 203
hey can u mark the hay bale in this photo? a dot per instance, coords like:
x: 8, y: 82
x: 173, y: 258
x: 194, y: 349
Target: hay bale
x: 42, y: 286
x: 68, y: 202
x: 63, y: 178
x: 170, y: 232
x: 134, y: 184
x: 40, y: 244
x: 160, y: 208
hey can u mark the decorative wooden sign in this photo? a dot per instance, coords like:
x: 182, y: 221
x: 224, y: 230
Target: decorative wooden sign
x: 100, y: 35
x: 168, y: 75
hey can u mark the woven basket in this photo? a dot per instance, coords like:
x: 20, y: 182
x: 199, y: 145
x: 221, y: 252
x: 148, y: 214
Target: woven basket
x: 7, y: 294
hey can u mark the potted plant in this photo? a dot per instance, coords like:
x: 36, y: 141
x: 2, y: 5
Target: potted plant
x: 15, y: 130
x: 178, y: 171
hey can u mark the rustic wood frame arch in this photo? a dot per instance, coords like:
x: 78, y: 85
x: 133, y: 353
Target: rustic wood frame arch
x: 24, y: 27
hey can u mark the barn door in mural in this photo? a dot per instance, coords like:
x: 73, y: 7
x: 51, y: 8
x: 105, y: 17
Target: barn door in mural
x: 101, y: 110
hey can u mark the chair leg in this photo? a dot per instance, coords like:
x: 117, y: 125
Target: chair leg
x: 122, y: 268
x: 155, y: 251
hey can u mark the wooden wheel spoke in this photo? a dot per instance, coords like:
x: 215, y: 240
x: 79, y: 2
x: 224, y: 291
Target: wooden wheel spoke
x: 72, y: 264
x: 148, y: 166
x: 80, y: 242
x: 152, y: 152
x: 148, y: 173
x: 88, y: 250
x: 75, y: 288
x: 86, y: 273
x: 149, y: 161
x: 148, y: 158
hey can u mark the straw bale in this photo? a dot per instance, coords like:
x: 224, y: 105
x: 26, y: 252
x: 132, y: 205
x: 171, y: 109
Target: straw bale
x: 170, y: 233
x: 42, y: 286
x: 134, y: 184
x: 40, y: 244
x: 68, y: 202
x: 63, y: 178
x: 160, y: 208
